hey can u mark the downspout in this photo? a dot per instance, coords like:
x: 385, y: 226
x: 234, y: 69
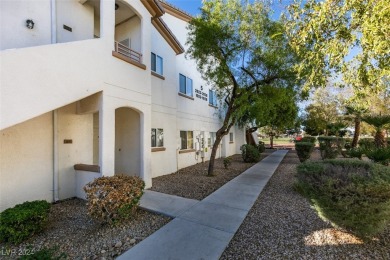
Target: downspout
x: 55, y: 115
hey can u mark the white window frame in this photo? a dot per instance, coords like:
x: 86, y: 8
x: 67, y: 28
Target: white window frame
x: 189, y: 142
x: 155, y: 62
x: 212, y: 98
x: 158, y: 134
x: 188, y: 87
x: 231, y: 137
x: 212, y: 137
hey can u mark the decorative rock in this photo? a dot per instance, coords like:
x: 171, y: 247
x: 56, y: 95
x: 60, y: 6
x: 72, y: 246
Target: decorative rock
x: 132, y: 241
x: 118, y: 244
x: 103, y: 251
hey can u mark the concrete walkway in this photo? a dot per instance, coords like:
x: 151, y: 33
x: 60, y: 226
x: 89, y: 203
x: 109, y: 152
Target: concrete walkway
x: 203, y: 230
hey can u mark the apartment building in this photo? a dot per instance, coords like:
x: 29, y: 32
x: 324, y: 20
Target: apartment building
x: 93, y: 88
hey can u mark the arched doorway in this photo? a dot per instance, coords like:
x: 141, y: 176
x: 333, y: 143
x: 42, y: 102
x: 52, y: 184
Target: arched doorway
x: 127, y: 142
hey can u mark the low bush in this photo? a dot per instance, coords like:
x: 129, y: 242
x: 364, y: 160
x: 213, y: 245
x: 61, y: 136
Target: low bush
x: 355, y: 153
x: 23, y: 221
x: 261, y: 147
x: 227, y: 162
x: 250, y: 153
x: 379, y: 155
x: 330, y: 146
x: 309, y: 139
x: 304, y: 150
x: 113, y: 198
x: 367, y: 143
x: 45, y: 254
x: 353, y: 194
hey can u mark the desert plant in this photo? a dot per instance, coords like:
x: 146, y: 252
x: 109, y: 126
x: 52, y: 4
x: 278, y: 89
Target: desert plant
x: 227, y: 162
x: 250, y: 153
x: 113, y: 198
x: 379, y: 122
x: 304, y: 150
x: 379, y: 155
x: 353, y: 194
x: 330, y: 146
x: 24, y: 220
x: 261, y: 147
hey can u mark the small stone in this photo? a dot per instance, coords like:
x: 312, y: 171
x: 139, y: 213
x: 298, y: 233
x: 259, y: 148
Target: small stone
x: 118, y: 244
x: 132, y: 241
x: 103, y: 251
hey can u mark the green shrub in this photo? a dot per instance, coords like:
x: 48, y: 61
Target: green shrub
x: 23, y: 221
x: 304, y: 150
x: 330, y: 146
x: 250, y: 153
x: 379, y: 155
x: 309, y: 139
x: 353, y: 194
x: 227, y: 162
x: 367, y: 143
x: 261, y: 147
x: 113, y: 198
x: 45, y: 254
x: 355, y: 153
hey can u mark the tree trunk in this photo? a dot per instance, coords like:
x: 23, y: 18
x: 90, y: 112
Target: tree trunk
x: 271, y: 141
x: 357, y: 132
x: 249, y: 136
x: 218, y: 139
x: 380, y: 140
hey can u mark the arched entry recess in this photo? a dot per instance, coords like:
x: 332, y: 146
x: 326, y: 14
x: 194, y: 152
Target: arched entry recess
x: 127, y: 142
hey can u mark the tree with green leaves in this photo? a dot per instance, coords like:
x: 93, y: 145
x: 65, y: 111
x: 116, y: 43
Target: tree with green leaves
x: 346, y: 40
x: 240, y: 51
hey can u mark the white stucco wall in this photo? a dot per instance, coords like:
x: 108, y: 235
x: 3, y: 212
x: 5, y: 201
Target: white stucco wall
x: 79, y: 129
x: 13, y: 30
x: 26, y: 162
x: 130, y: 30
x: 77, y: 16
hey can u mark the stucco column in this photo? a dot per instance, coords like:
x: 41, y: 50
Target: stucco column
x: 107, y: 21
x: 146, y: 170
x: 106, y: 137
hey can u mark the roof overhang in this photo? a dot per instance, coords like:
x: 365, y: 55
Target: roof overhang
x: 154, y: 7
x: 167, y: 34
x: 172, y: 10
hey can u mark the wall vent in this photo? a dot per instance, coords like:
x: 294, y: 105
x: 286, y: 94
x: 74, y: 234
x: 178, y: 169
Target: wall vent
x: 67, y: 28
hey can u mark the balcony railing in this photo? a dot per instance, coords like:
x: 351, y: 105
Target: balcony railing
x: 126, y: 51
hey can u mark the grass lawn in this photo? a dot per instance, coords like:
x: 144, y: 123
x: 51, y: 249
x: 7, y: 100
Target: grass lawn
x: 278, y: 141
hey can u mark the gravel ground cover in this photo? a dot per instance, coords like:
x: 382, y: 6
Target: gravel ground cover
x: 282, y: 225
x: 192, y: 182
x: 73, y: 232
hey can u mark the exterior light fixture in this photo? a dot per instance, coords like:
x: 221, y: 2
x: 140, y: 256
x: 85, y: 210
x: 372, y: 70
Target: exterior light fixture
x: 116, y: 7
x: 30, y: 24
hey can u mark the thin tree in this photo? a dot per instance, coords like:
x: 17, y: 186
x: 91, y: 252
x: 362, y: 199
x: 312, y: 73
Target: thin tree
x: 239, y: 50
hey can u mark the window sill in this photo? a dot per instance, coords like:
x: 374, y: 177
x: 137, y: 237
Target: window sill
x: 187, y: 151
x: 212, y: 106
x: 158, y: 149
x: 128, y: 60
x: 87, y: 168
x: 157, y: 75
x: 184, y: 95
x: 231, y: 142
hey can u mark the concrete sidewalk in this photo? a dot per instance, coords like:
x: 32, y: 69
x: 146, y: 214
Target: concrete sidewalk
x: 203, y: 230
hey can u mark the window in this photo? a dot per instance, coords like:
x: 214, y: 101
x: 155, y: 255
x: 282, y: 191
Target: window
x: 185, y: 85
x: 157, y: 137
x: 157, y: 64
x: 212, y: 98
x: 231, y: 137
x: 187, y: 140
x: 212, y: 137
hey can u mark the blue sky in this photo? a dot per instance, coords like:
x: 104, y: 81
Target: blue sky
x: 192, y: 6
